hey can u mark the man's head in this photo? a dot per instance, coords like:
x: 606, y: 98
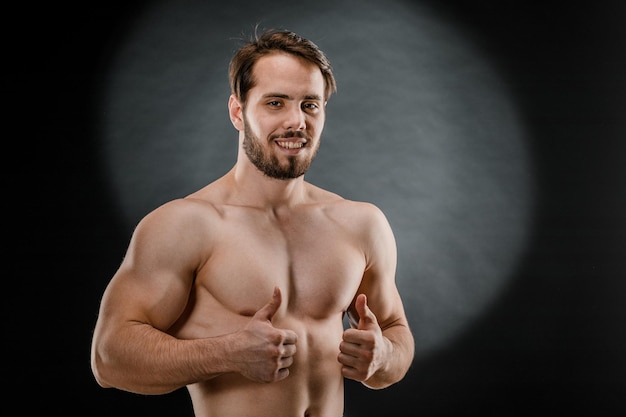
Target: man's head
x: 280, y: 83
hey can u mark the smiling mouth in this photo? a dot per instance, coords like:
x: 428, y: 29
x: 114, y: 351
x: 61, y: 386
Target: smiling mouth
x: 290, y: 144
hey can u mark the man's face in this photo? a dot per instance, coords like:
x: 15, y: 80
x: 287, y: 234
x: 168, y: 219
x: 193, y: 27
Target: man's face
x: 284, y: 116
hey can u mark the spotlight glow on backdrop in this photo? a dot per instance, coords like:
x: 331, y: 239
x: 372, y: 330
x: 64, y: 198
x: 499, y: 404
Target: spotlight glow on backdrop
x: 422, y: 125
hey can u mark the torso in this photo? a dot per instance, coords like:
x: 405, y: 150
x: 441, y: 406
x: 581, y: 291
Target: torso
x: 312, y: 255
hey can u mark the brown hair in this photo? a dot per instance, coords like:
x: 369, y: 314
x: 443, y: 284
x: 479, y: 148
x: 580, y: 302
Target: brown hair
x: 242, y: 63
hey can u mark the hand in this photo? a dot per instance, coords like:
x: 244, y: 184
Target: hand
x: 362, y: 350
x: 267, y: 351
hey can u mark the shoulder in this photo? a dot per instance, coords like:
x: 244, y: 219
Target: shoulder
x: 178, y: 233
x: 180, y: 211
x: 335, y: 203
x: 369, y: 226
x: 176, y: 220
x: 360, y: 214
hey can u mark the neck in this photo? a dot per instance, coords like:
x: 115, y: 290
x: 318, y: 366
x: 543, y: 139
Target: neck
x: 251, y: 187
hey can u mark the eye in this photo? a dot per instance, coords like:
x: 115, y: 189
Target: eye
x: 274, y: 103
x: 310, y: 106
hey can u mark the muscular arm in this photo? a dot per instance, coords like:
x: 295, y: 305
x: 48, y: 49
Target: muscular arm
x: 379, y: 348
x: 131, y: 347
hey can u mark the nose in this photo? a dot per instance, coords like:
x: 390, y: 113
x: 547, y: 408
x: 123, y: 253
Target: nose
x: 294, y: 119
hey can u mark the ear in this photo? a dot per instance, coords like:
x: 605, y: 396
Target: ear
x: 236, y: 112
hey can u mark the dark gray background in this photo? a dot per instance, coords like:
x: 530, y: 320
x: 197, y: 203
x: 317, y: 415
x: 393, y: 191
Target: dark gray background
x: 423, y: 125
x: 492, y: 135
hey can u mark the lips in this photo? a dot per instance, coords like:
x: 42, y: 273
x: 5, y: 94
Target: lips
x: 287, y: 144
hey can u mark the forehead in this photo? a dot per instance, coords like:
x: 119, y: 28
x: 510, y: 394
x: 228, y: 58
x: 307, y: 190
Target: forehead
x: 287, y: 74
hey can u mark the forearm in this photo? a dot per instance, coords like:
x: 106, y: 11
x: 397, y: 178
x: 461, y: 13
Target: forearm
x: 398, y: 358
x: 143, y: 360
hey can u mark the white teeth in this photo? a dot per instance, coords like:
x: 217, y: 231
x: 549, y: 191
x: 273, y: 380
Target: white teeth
x: 290, y: 145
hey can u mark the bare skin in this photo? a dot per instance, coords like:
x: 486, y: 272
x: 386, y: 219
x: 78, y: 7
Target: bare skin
x: 239, y: 290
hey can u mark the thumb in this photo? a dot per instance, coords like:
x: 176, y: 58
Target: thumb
x: 366, y: 316
x: 268, y: 310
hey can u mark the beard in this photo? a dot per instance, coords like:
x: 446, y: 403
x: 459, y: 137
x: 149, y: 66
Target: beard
x: 268, y: 163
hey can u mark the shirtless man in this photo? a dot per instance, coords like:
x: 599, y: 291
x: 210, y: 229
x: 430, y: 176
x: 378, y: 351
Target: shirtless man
x: 238, y: 291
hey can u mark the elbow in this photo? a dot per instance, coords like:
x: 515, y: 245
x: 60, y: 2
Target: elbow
x: 98, y: 369
x: 383, y: 380
x: 105, y: 368
x: 109, y: 373
x: 398, y: 363
x: 100, y: 381
x: 376, y: 385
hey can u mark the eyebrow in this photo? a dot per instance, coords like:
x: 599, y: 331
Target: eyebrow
x: 288, y: 97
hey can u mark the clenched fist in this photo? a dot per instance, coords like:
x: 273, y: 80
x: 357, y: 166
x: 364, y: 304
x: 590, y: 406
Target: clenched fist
x: 266, y: 352
x: 363, y: 348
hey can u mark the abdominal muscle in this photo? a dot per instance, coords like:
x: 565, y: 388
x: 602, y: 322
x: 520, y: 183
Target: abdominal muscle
x: 314, y: 387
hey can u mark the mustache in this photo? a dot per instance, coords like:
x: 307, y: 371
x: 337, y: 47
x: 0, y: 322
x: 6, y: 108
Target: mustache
x: 292, y: 134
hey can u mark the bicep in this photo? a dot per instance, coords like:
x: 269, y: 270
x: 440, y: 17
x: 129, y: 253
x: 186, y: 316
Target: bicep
x: 157, y: 298
x: 379, y: 278
x: 153, y: 283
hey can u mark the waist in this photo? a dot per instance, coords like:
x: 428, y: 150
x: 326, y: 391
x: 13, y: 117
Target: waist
x: 306, y: 392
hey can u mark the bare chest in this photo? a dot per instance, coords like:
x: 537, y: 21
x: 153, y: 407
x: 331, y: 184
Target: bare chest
x: 317, y: 262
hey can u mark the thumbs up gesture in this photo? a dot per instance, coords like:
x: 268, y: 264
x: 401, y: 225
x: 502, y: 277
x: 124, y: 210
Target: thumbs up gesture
x: 264, y: 353
x: 362, y: 350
